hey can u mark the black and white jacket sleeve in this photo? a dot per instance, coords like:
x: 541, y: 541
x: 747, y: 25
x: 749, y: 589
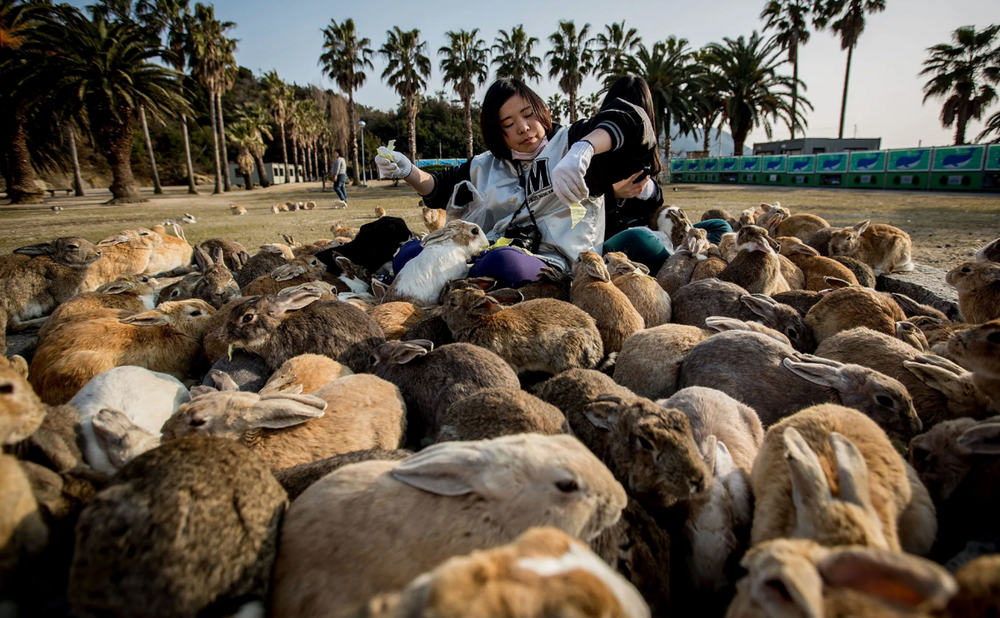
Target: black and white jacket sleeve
x: 633, y: 143
x: 445, y: 182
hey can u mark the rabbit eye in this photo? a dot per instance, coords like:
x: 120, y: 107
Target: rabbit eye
x: 919, y: 455
x: 72, y: 246
x: 198, y: 422
x: 174, y: 293
x: 792, y: 333
x: 6, y: 389
x: 195, y: 313
x: 966, y: 269
x: 884, y: 401
x: 372, y: 360
x: 475, y: 232
x: 248, y: 318
x: 568, y: 486
x: 993, y: 338
x: 644, y: 443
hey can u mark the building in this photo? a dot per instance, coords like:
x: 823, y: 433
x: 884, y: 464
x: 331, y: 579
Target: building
x: 817, y: 145
x: 274, y: 172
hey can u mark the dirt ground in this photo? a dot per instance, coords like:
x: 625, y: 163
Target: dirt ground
x: 946, y: 228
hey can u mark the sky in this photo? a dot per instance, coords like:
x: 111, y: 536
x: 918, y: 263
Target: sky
x: 885, y: 93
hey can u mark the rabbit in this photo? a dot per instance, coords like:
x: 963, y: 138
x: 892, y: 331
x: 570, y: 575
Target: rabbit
x: 800, y: 300
x: 772, y: 215
x: 978, y: 285
x: 880, y: 501
x: 647, y: 297
x: 756, y: 267
x: 432, y: 379
x: 372, y: 527
x: 182, y: 530
x: 306, y: 373
x: 262, y: 263
x: 338, y: 204
x: 813, y: 266
x: 216, y: 285
x: 379, y: 212
x: 494, y: 412
x: 396, y: 318
x: 977, y: 349
x: 721, y: 213
x: 133, y: 293
x: 298, y: 478
x: 444, y: 257
x: 883, y: 247
x: 670, y: 225
x: 246, y: 370
x: 306, y: 269
x: 120, y: 438
x: 375, y: 244
x: 237, y: 210
x: 434, y: 218
x: 537, y: 335
x: 281, y: 326
x: 783, y: 381
x: 275, y: 209
x: 801, y: 226
x: 863, y: 272
x: 851, y: 307
x: 593, y: 292
x: 175, y: 252
x: 126, y: 253
x: 695, y: 302
x: 989, y: 253
x: 679, y: 267
x: 34, y: 280
x: 339, y: 230
x: 233, y: 253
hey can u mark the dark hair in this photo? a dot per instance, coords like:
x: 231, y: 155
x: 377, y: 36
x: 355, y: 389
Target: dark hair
x: 635, y: 90
x: 337, y: 150
x: 489, y: 118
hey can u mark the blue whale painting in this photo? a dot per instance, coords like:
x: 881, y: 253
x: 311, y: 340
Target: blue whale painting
x: 728, y: 165
x: 773, y: 165
x: 749, y: 165
x: 908, y: 162
x: 832, y: 163
x: 868, y: 163
x: 955, y: 161
x: 800, y: 165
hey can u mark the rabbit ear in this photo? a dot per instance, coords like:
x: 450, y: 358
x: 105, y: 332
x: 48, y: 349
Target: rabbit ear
x: 852, y: 473
x: 762, y: 306
x: 642, y: 267
x: 146, y: 318
x: 483, y: 283
x: 899, y: 578
x: 447, y: 469
x: 603, y: 413
x: 45, y: 248
x: 446, y: 233
x: 281, y: 304
x: 623, y: 268
x: 379, y: 289
x: 404, y: 353
x: 486, y: 305
x: 942, y: 375
x: 116, y: 287
x: 982, y: 439
x: 284, y: 410
x: 179, y: 232
x: 723, y: 324
x: 805, y: 250
x: 218, y: 257
x: 709, y: 453
x: 861, y: 227
x: 821, y: 374
x: 810, y: 487
x: 201, y: 391
x: 345, y: 264
x: 202, y: 260
x: 785, y: 588
x: 507, y: 296
x: 837, y: 283
x: 117, y: 239
x: 598, y: 270
x: 223, y: 381
x: 773, y: 243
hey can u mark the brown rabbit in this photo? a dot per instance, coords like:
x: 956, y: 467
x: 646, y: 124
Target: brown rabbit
x: 34, y: 280
x: 801, y: 226
x: 126, y: 253
x: 216, y: 285
x: 132, y: 293
x: 794, y: 277
x: 434, y: 218
x: 537, y: 335
x: 883, y: 247
x: 593, y: 292
x: 756, y: 266
x: 233, y: 253
x: 711, y: 266
x: 978, y: 285
x: 175, y: 252
x: 814, y: 266
x: 851, y: 307
x: 978, y: 349
x: 670, y: 225
x: 720, y: 213
x: 645, y: 294
x: 989, y: 253
x: 679, y: 267
x: 379, y: 212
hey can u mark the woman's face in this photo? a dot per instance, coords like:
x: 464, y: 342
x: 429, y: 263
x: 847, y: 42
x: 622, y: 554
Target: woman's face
x: 521, y: 129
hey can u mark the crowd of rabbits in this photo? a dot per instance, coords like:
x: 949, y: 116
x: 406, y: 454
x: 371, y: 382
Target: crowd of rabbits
x: 753, y: 430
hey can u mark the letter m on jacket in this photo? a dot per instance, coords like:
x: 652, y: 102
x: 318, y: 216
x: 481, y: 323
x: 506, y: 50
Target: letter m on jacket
x: 537, y: 184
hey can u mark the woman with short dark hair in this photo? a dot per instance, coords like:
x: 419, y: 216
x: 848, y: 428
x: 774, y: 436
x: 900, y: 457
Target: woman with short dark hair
x: 536, y: 188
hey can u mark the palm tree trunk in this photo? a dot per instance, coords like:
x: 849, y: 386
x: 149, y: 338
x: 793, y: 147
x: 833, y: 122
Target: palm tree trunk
x: 795, y: 94
x: 21, y: 187
x: 258, y: 160
x: 467, y: 101
x: 961, y: 121
x: 572, y: 106
x: 739, y: 138
x: 192, y: 188
x: 77, y: 177
x: 222, y: 138
x: 157, y: 189
x: 310, y: 170
x: 706, y: 139
x: 326, y: 166
x: 215, y: 145
x: 295, y: 151
x: 843, y: 102
x: 353, y: 122
x: 115, y: 143
x: 411, y: 127
x: 315, y: 160
x: 284, y: 149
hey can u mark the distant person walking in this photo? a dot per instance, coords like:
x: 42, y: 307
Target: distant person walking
x: 339, y: 173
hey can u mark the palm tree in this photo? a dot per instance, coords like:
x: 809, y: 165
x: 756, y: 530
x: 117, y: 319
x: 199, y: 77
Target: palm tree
x: 992, y: 127
x: 615, y: 51
x: 849, y: 24
x: 464, y: 65
x: 512, y: 52
x: 247, y: 141
x: 407, y: 71
x: 556, y: 104
x: 571, y: 59
x: 278, y: 97
x: 673, y: 80
x: 208, y: 53
x: 964, y: 74
x: 345, y: 60
x: 788, y: 19
x: 256, y: 119
x: 104, y: 73
x: 226, y: 83
x: 752, y: 92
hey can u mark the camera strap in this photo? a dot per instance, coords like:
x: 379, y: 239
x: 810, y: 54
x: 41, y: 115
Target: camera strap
x: 531, y: 215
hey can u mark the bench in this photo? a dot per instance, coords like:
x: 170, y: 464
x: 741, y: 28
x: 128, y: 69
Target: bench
x: 52, y: 192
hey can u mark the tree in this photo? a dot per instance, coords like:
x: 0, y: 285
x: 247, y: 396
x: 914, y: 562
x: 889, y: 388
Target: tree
x: 464, y: 65
x: 671, y: 75
x: 209, y: 53
x: 345, y: 60
x: 752, y: 92
x: 407, y: 71
x: 570, y: 59
x: 247, y: 141
x: 277, y: 98
x: 557, y: 106
x: 256, y: 120
x: 512, y: 52
x: 591, y: 105
x: 615, y: 51
x: 849, y: 16
x: 992, y: 127
x: 104, y: 73
x: 788, y: 19
x: 963, y: 75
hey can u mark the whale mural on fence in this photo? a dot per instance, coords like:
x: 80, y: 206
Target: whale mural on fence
x: 798, y: 166
x: 710, y: 165
x: 729, y: 165
x: 832, y: 163
x: 908, y: 162
x: 773, y: 165
x: 868, y: 163
x: 957, y: 160
x: 750, y: 164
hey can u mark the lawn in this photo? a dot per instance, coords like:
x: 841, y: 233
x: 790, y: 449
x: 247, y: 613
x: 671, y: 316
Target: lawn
x: 946, y: 228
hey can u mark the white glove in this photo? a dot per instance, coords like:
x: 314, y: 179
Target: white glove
x: 397, y: 167
x: 568, y: 177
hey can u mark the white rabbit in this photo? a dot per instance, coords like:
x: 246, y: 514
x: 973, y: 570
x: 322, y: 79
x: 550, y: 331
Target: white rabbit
x: 445, y: 257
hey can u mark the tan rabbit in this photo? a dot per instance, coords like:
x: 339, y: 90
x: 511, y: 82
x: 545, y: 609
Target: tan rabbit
x: 670, y: 225
x: 379, y: 212
x: 801, y: 226
x: 978, y: 349
x: 978, y: 285
x: 679, y: 267
x: 175, y: 252
x: 434, y: 218
x: 756, y: 266
x: 593, y: 292
x: 339, y: 230
x: 126, y: 253
x: 794, y: 277
x: 851, y: 307
x: 772, y: 216
x: 710, y: 267
x: 883, y: 247
x: 645, y: 294
x: 396, y: 318
x: 237, y: 210
x: 814, y: 266
x: 132, y: 293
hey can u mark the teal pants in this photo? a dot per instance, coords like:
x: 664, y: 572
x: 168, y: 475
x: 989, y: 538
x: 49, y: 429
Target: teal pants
x: 640, y: 245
